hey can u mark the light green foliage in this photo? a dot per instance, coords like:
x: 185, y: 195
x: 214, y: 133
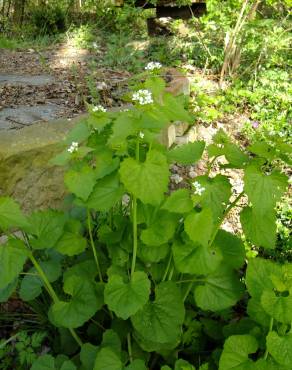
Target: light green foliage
x: 160, y: 321
x: 236, y: 350
x: 125, y: 299
x: 149, y: 270
x: 138, y: 178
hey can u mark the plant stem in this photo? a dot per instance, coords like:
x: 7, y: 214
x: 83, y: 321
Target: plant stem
x: 129, y: 347
x: 167, y: 267
x: 93, y: 245
x: 188, y: 291
x: 135, y: 225
x: 51, y: 291
x: 225, y: 213
x: 135, y: 236
x: 270, y: 329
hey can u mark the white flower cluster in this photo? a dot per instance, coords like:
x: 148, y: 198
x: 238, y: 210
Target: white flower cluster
x: 141, y: 134
x: 176, y: 178
x: 73, y: 147
x: 199, y: 189
x: 143, y: 97
x: 99, y: 108
x: 151, y: 66
x: 126, y: 200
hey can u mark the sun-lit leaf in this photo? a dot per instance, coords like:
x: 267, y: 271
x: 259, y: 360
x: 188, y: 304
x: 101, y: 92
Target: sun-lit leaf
x: 199, y: 226
x: 13, y: 255
x: 139, y: 178
x: 187, y: 153
x: 178, y: 202
x: 10, y: 214
x: 81, y: 182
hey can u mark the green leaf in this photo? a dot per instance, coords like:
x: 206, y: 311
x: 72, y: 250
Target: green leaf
x: 10, y: 214
x: 192, y: 258
x: 71, y: 244
x: 106, y: 193
x: 232, y: 249
x: 221, y: 289
x: 31, y: 286
x: 137, y: 365
x: 82, y: 306
x: 216, y: 195
x: 161, y: 229
x: 264, y: 190
x: 178, y: 202
x: 98, y: 121
x: 256, y: 312
x: 107, y: 359
x: 6, y: 292
x: 175, y: 109
x: 235, y: 353
x: 263, y: 149
x: 12, y: 259
x: 125, y: 299
x: 45, y: 362
x: 199, y: 226
x: 259, y: 228
x: 235, y: 156
x: 160, y: 320
x: 258, y: 276
x: 68, y: 365
x: 279, y: 307
x: 280, y: 348
x: 47, y: 227
x: 187, y: 153
x: 139, y: 177
x: 124, y: 126
x: 150, y: 254
x: 105, y: 164
x: 156, y: 85
x: 81, y: 182
x: 88, y: 355
x: 110, y: 339
x: 183, y: 365
x: 79, y: 133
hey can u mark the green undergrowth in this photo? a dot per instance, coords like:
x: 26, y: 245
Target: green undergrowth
x: 132, y: 276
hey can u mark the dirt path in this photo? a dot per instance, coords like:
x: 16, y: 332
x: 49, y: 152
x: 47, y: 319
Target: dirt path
x: 40, y: 86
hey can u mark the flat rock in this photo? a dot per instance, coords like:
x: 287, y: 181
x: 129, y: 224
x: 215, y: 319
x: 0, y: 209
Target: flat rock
x: 25, y: 171
x: 26, y: 80
x: 15, y: 118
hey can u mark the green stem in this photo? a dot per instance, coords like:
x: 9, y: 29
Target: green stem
x: 270, y: 329
x: 93, y: 245
x: 188, y: 291
x: 135, y: 225
x: 167, y: 267
x: 171, y: 273
x: 210, y: 165
x: 51, y: 291
x: 135, y: 236
x: 225, y: 213
x: 130, y: 347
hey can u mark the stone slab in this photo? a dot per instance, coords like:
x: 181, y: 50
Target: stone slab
x: 40, y: 80
x: 15, y: 118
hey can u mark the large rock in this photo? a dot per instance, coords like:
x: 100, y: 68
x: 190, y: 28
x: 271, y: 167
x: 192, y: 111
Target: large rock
x: 25, y: 172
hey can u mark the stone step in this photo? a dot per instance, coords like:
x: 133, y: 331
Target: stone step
x: 16, y: 118
x: 40, y: 80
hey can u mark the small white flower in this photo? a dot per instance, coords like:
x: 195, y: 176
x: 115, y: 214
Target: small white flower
x: 281, y: 134
x: 151, y: 66
x: 73, y: 147
x: 176, y: 178
x: 126, y: 200
x: 199, y: 189
x: 143, y: 97
x: 141, y: 134
x: 99, y: 108
x: 94, y: 45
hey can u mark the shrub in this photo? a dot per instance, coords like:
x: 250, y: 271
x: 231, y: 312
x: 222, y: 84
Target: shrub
x: 143, y: 278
